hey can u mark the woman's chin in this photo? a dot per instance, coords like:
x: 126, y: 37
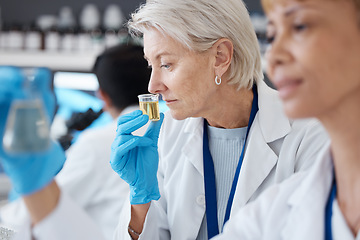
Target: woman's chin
x: 297, y: 112
x: 177, y: 115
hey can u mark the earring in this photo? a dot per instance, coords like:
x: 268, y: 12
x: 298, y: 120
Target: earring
x: 217, y: 80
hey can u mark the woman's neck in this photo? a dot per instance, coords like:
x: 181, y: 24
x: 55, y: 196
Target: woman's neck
x: 347, y: 172
x: 233, y: 110
x: 342, y: 124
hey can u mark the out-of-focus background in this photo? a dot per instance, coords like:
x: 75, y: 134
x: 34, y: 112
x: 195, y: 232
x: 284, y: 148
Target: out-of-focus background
x: 22, y: 11
x: 66, y: 36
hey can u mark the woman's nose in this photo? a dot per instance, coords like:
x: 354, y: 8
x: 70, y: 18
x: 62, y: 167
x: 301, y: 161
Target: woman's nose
x: 277, y: 53
x: 155, y: 84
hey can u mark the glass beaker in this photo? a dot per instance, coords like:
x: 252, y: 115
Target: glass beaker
x: 149, y: 104
x: 27, y: 126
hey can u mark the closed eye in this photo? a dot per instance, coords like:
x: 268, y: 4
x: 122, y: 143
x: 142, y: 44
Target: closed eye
x: 299, y: 27
x: 165, y: 66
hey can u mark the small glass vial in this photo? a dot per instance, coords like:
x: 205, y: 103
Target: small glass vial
x: 27, y: 127
x: 149, y: 104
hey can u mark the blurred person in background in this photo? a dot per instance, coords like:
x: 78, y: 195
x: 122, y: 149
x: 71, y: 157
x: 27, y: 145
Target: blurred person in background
x: 87, y: 177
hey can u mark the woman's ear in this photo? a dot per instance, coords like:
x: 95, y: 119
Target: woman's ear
x: 224, y: 54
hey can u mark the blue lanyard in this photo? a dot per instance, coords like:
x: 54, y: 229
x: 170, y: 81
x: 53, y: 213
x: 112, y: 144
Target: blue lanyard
x: 209, y: 176
x: 328, y: 212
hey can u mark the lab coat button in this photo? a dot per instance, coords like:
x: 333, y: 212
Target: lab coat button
x: 200, y: 200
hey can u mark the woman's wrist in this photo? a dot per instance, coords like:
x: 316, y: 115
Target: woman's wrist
x: 138, y: 216
x: 40, y: 204
x: 133, y: 234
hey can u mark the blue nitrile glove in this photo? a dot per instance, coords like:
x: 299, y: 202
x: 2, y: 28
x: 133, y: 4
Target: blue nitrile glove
x: 136, y: 158
x: 28, y: 172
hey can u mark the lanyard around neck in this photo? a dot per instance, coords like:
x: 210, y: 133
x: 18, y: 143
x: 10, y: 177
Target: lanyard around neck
x: 209, y: 176
x: 328, y: 212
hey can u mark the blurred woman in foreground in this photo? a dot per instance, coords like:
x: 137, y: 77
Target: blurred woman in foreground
x: 313, y: 60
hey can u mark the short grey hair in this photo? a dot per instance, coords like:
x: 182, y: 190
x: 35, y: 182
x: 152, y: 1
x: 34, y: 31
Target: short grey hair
x: 198, y: 24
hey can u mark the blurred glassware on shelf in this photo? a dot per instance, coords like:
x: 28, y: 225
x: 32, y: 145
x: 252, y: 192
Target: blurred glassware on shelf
x: 113, y: 17
x: 66, y: 19
x: 52, y: 40
x: 32, y: 39
x: 89, y: 17
x: 111, y: 38
x: 68, y: 41
x: 46, y: 22
x: 14, y: 39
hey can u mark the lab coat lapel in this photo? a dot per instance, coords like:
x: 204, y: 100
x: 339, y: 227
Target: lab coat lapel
x: 192, y: 152
x: 273, y: 122
x: 255, y: 168
x: 307, y: 203
x: 270, y: 124
x: 192, y: 148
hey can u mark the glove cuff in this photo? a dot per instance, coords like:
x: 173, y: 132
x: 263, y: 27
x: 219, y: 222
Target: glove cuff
x: 36, y: 171
x: 142, y: 196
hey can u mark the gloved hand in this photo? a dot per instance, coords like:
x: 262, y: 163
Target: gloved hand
x: 136, y: 158
x: 28, y: 172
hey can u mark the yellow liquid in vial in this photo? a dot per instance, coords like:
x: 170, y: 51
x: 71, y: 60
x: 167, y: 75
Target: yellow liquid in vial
x: 151, y: 109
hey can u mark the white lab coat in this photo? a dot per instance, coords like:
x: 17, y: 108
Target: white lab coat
x: 88, y: 179
x: 276, y: 148
x: 181, y: 208
x: 293, y: 210
x: 67, y: 221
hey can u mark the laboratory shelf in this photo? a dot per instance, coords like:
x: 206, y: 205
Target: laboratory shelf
x: 69, y: 61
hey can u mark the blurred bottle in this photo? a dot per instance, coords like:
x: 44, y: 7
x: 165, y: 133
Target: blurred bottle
x: 27, y: 126
x: 113, y: 18
x: 4, y: 33
x: 90, y: 35
x: 15, y: 38
x: 66, y: 20
x: 111, y: 38
x: 51, y: 37
x: 32, y: 38
x: 84, y: 41
x: 113, y: 21
x: 89, y: 17
x: 68, y: 40
x: 67, y: 27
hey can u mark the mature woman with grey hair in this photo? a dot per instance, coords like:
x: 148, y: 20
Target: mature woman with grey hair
x: 224, y: 140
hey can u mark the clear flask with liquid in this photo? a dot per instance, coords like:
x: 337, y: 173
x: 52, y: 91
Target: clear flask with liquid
x: 27, y: 127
